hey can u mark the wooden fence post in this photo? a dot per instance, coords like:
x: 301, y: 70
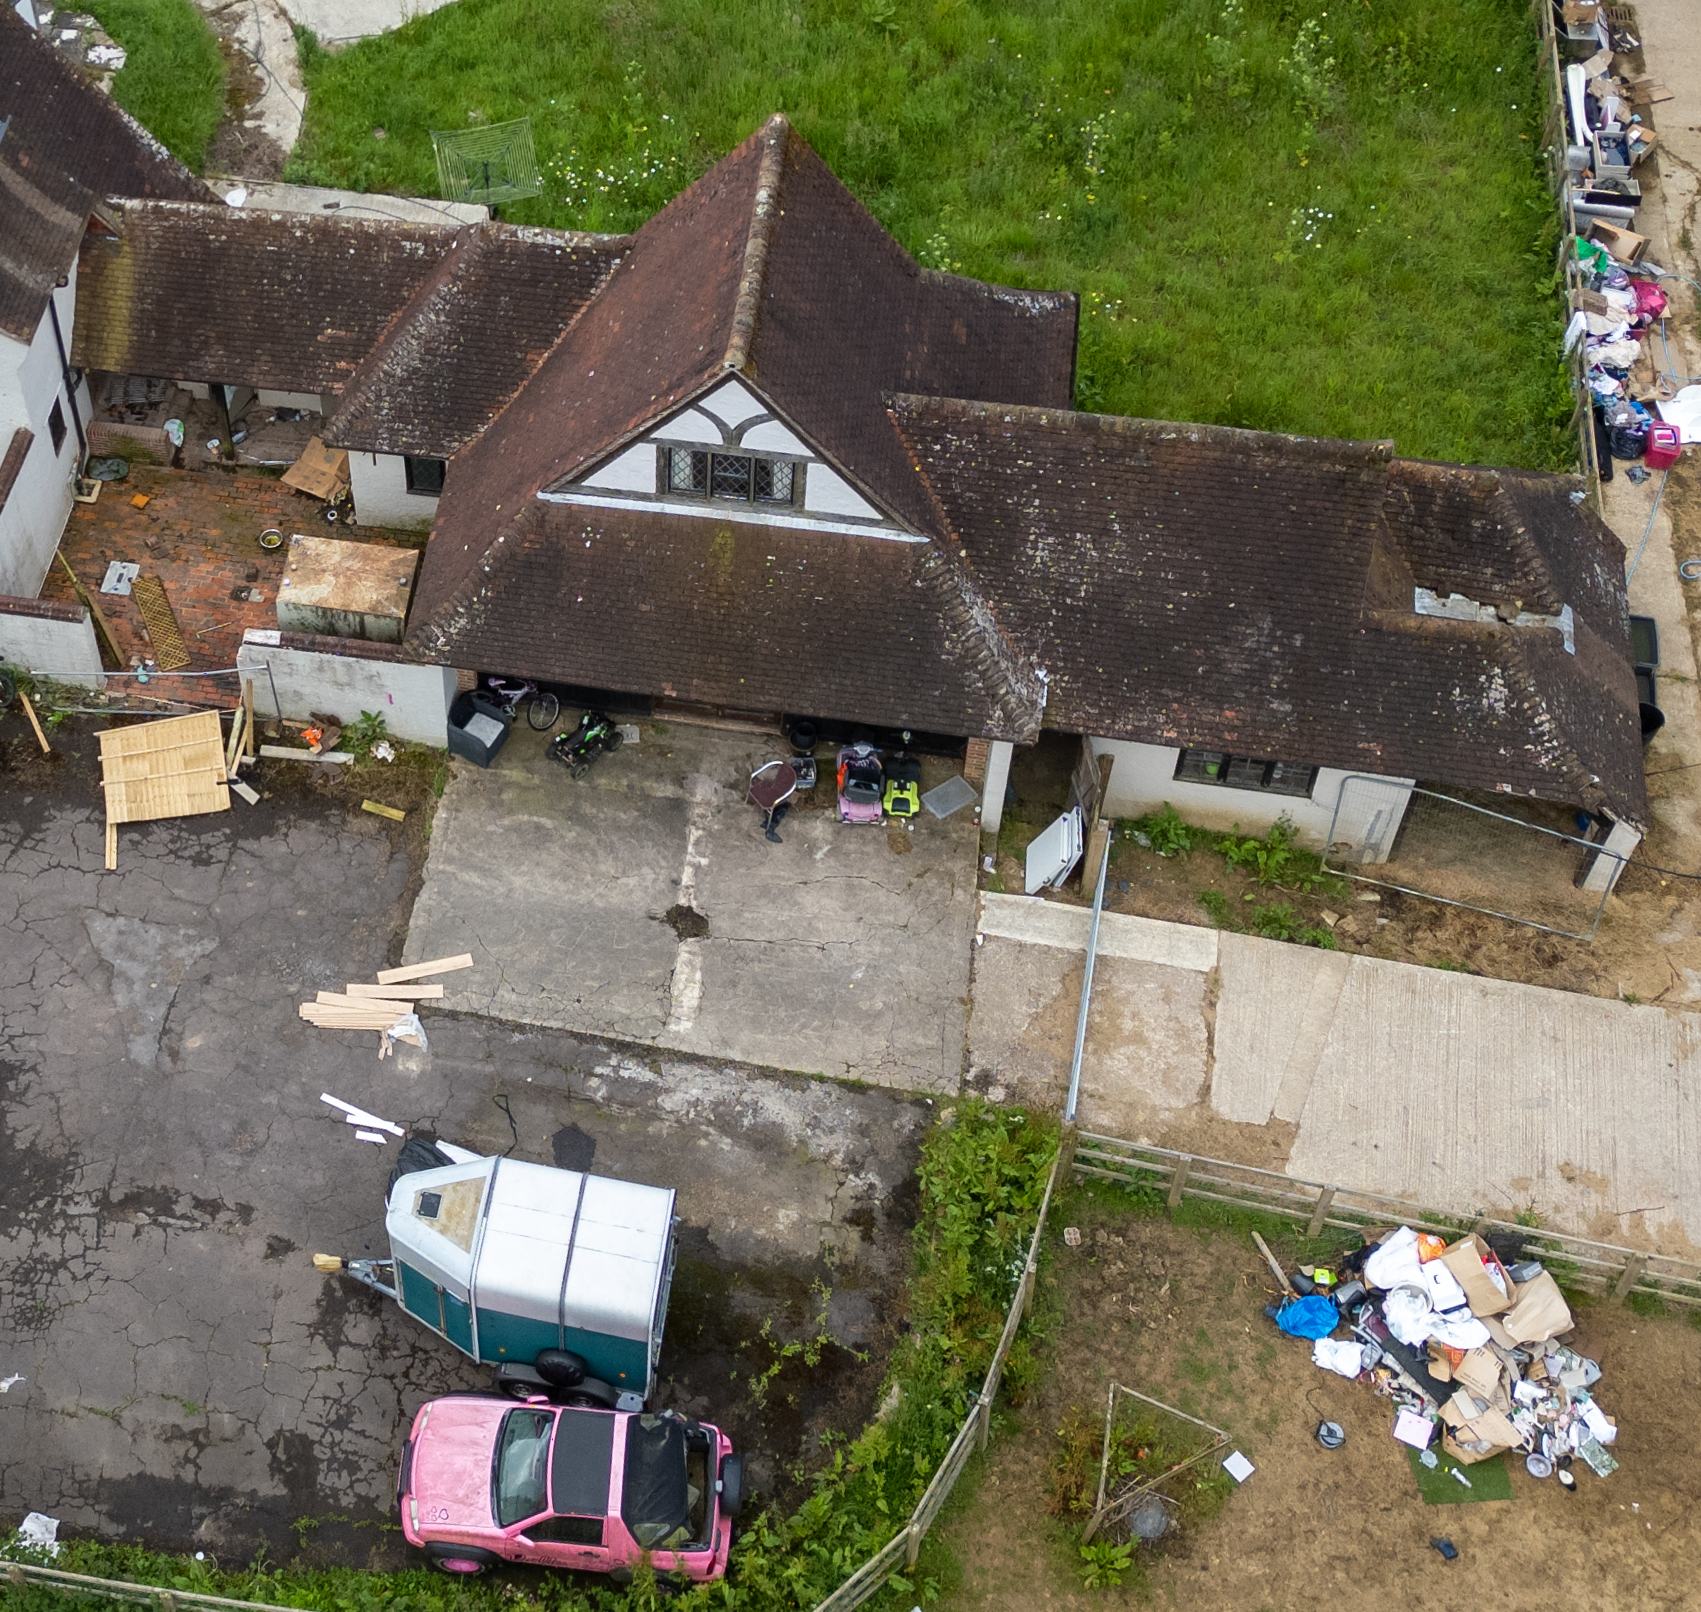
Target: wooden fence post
x: 1319, y: 1210
x: 1632, y: 1274
x: 912, y: 1546
x: 1178, y: 1179
x: 984, y: 1418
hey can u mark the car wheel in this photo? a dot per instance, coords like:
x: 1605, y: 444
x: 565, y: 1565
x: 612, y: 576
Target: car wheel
x: 461, y: 1561
x: 732, y: 1485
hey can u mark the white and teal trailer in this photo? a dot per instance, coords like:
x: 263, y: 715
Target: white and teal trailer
x: 513, y: 1261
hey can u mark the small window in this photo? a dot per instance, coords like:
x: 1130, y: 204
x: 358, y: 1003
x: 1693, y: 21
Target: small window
x: 1245, y: 772
x: 56, y: 425
x: 430, y: 1205
x: 566, y: 1531
x: 425, y: 476
x: 737, y: 477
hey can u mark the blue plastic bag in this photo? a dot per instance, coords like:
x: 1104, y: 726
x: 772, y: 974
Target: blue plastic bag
x: 1310, y: 1317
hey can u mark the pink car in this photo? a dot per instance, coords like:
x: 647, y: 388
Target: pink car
x: 484, y: 1481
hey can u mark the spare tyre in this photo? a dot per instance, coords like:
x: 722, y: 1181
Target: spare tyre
x: 561, y: 1368
x: 732, y: 1485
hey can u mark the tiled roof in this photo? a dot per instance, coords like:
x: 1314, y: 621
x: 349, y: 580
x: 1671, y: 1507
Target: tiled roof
x: 474, y: 329
x: 66, y: 147
x: 215, y: 293
x: 732, y: 613
x: 767, y: 268
x: 1234, y: 590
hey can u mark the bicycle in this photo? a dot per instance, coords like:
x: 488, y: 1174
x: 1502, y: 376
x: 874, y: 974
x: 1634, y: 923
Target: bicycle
x: 542, y: 708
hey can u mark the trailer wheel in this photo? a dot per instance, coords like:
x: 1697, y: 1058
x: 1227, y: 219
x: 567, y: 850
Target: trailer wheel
x: 590, y: 1394
x: 461, y: 1561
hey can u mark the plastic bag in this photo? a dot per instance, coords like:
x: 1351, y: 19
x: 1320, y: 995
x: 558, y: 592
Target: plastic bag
x: 1310, y: 1317
x: 408, y: 1028
x: 1345, y: 1358
x: 1409, y: 1314
x: 1396, y: 1261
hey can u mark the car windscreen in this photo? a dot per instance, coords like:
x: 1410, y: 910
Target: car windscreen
x: 521, y: 1467
x: 655, y: 1499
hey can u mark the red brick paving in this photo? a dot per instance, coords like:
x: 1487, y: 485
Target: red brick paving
x: 199, y: 534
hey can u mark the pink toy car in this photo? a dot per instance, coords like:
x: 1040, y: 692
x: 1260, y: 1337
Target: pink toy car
x: 484, y: 1481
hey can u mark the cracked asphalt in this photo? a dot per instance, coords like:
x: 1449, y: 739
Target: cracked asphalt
x: 166, y: 1169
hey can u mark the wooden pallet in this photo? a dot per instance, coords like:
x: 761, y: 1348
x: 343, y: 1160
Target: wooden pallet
x: 170, y: 652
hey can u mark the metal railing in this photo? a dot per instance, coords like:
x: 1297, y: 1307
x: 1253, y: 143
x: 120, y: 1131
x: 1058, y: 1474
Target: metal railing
x: 1447, y: 849
x: 18, y: 1575
x: 1576, y: 1262
x: 904, y: 1546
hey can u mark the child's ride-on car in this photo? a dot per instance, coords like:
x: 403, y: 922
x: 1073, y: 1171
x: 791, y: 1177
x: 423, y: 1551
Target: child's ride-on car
x: 861, y: 780
x: 903, y: 787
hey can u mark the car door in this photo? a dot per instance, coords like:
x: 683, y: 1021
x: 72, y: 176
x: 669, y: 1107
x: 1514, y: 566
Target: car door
x: 574, y: 1542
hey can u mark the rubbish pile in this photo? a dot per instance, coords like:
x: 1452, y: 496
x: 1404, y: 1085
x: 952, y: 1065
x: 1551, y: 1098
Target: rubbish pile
x: 1457, y: 1338
x: 1616, y: 297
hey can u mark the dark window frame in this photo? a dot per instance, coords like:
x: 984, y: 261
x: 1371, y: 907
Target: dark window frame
x: 414, y: 476
x: 56, y: 429
x: 695, y: 474
x: 1264, y: 775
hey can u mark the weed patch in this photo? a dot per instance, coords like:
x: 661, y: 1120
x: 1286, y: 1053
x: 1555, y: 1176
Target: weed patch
x: 173, y: 77
x: 1245, y: 194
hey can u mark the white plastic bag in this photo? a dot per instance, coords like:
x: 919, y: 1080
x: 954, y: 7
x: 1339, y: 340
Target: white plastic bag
x: 40, y: 1532
x: 1334, y: 1355
x: 1396, y: 1261
x: 1409, y: 1314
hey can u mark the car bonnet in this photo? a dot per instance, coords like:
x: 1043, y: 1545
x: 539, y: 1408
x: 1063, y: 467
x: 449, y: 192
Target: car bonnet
x: 451, y: 1462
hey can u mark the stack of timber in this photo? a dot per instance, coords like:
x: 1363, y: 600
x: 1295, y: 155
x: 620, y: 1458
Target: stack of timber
x: 378, y: 1006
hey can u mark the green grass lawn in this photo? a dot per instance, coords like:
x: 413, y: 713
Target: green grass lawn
x: 1324, y: 216
x: 173, y: 78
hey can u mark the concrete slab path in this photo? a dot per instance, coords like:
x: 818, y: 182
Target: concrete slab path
x: 839, y: 951
x: 1448, y: 1089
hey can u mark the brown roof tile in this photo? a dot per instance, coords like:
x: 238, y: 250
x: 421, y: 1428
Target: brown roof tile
x: 484, y: 318
x: 66, y: 147
x: 1200, y: 586
x: 286, y: 300
x: 727, y: 612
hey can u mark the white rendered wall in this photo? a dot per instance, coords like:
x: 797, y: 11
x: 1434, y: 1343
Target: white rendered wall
x: 825, y: 492
x: 1143, y: 778
x: 379, y: 483
x: 413, y: 700
x: 31, y: 381
x: 65, y: 651
x: 631, y: 472
x: 992, y: 793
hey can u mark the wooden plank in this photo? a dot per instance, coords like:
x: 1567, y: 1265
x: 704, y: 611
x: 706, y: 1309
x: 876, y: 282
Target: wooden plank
x: 102, y: 626
x: 378, y: 809
x: 284, y: 752
x: 395, y: 993
x: 1632, y: 1274
x: 29, y: 711
x: 415, y: 971
x: 111, y: 846
x: 1270, y: 1260
x: 248, y: 718
x: 364, y: 1004
x: 234, y: 744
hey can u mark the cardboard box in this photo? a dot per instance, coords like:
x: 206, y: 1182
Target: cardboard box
x: 320, y: 471
x: 1580, y: 11
x: 1480, y: 1372
x: 1540, y: 1312
x: 1624, y: 244
x: 1465, y: 1260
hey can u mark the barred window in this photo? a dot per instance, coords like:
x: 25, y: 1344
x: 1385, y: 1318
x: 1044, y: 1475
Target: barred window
x: 735, y: 476
x: 1245, y: 772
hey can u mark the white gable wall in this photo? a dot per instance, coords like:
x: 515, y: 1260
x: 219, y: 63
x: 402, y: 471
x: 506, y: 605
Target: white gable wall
x: 378, y: 484
x: 35, y: 513
x: 733, y: 417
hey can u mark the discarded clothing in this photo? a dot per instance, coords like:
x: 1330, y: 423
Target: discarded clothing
x: 1346, y: 1358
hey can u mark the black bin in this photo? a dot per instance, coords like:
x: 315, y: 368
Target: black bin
x: 480, y: 744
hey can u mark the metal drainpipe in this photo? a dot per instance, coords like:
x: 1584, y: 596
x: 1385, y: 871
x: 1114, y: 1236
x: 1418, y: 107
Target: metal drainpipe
x: 1087, y: 988
x: 70, y: 384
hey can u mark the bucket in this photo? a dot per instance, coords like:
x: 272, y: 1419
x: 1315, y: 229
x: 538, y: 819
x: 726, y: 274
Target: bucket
x: 1665, y: 446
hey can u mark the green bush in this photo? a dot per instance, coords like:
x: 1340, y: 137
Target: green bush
x: 173, y: 79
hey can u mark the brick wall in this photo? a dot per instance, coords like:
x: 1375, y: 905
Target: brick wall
x: 974, y: 762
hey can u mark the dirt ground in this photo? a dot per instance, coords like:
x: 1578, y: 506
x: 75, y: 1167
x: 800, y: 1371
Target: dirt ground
x: 1176, y: 1312
x: 1646, y: 947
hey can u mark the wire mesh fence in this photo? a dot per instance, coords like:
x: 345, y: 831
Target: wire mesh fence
x: 1519, y: 860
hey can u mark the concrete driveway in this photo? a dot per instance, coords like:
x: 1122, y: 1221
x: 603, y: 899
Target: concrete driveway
x: 841, y: 951
x: 166, y: 1168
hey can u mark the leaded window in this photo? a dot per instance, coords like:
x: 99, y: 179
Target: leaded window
x: 737, y: 477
